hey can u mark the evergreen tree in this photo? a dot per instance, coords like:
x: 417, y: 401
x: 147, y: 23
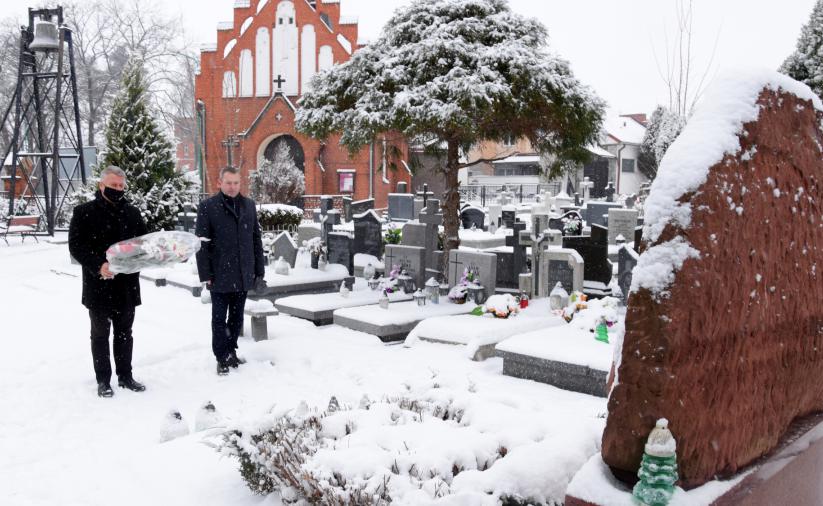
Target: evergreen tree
x: 663, y: 128
x: 277, y: 181
x: 806, y: 63
x: 658, y: 469
x: 136, y: 144
x: 457, y: 73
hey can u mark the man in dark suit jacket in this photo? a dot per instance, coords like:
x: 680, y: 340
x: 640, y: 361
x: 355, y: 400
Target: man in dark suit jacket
x: 230, y: 263
x: 110, y: 298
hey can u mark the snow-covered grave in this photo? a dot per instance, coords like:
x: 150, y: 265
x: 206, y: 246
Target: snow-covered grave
x: 319, y: 308
x: 480, y: 334
x: 183, y: 275
x: 566, y: 355
x: 479, y: 239
x: 304, y: 280
x: 395, y: 322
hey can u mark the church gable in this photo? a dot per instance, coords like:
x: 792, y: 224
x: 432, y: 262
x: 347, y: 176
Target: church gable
x: 287, y: 41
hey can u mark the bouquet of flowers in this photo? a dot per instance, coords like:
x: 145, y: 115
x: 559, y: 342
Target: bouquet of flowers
x: 390, y: 283
x: 577, y: 302
x: 499, y: 306
x: 458, y: 293
x: 157, y: 249
x: 571, y: 225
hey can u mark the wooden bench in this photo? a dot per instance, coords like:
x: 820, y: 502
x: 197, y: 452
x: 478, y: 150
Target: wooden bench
x: 20, y: 225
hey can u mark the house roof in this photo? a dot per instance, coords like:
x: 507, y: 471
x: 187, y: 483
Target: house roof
x: 624, y: 129
x: 520, y: 159
x: 598, y: 151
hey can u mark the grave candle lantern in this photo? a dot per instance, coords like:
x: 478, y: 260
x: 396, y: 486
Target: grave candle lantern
x: 559, y: 297
x: 419, y: 297
x: 433, y: 290
x: 477, y: 293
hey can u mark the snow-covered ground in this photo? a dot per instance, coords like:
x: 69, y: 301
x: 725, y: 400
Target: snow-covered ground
x: 61, y: 444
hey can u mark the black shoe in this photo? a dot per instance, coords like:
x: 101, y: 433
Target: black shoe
x: 104, y: 390
x: 222, y: 368
x: 234, y: 361
x: 132, y: 385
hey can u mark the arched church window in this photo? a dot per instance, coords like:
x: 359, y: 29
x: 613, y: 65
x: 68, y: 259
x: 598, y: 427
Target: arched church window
x: 229, y: 84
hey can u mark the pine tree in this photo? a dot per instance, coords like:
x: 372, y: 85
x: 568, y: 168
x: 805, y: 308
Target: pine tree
x: 458, y: 73
x: 658, y: 469
x: 136, y: 144
x: 277, y: 181
x: 663, y: 128
x: 806, y: 63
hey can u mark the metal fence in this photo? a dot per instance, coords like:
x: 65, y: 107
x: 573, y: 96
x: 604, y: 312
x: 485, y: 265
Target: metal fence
x: 487, y: 193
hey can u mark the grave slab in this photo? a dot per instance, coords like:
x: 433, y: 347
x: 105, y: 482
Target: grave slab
x: 319, y: 308
x: 394, y: 323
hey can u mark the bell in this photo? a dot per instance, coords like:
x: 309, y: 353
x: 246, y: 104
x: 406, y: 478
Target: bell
x: 45, y: 37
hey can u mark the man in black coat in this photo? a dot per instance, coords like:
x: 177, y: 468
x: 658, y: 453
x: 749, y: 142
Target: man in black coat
x: 110, y: 298
x: 230, y: 263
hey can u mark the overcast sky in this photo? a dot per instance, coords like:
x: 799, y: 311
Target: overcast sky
x: 612, y: 45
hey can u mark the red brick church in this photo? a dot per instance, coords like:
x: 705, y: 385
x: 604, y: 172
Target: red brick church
x: 247, y: 92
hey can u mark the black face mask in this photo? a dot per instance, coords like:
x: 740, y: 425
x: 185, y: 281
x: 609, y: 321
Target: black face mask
x: 113, y: 195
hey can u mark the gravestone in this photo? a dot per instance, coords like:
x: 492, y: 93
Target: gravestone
x: 586, y: 185
x: 285, y: 247
x: 340, y: 250
x: 431, y: 217
x: 622, y: 222
x: 597, y: 211
x: 414, y: 234
x: 508, y: 217
x: 626, y: 260
x: 410, y: 258
x: 418, y: 206
x: 361, y: 206
x: 609, y: 191
x: 595, y: 252
x: 347, y: 214
x: 472, y: 216
x: 307, y: 232
x: 638, y: 238
x: 485, y: 265
x: 333, y: 216
x: 402, y: 187
x: 368, y: 234
x: 316, y: 215
x: 326, y: 204
x: 326, y: 227
x: 495, y: 213
x: 630, y: 201
x: 511, y: 264
x: 401, y: 206
x: 540, y: 222
x: 563, y: 265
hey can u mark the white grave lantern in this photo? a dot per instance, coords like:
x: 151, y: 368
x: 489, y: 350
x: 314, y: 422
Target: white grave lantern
x: 419, y: 297
x: 368, y: 271
x: 433, y: 291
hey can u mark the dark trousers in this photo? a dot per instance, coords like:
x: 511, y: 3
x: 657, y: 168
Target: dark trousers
x: 101, y: 322
x: 225, y: 330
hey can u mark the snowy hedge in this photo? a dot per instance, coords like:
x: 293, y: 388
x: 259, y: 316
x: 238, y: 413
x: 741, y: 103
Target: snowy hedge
x: 279, y: 216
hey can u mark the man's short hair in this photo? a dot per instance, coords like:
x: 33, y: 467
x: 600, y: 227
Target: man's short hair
x: 112, y: 169
x: 230, y: 170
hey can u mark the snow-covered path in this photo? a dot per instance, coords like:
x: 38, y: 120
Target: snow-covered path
x: 61, y: 444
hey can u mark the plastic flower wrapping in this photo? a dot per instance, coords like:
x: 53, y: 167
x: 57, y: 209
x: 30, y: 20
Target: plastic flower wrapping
x: 157, y: 249
x: 501, y: 306
x: 389, y: 284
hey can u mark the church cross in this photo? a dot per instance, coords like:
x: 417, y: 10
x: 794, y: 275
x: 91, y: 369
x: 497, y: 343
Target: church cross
x: 230, y: 143
x: 279, y: 82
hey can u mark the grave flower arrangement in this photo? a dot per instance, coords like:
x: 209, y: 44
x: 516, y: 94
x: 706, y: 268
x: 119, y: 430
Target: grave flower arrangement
x: 459, y: 291
x: 390, y: 284
x: 393, y: 235
x: 499, y: 306
x: 571, y: 225
x: 157, y: 249
x: 577, y: 302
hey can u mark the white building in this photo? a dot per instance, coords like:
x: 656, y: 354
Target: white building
x: 622, y: 137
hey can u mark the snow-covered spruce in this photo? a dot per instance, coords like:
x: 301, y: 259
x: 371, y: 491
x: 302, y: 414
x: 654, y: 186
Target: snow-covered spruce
x: 456, y: 74
x: 136, y: 144
x: 806, y: 63
x: 664, y: 127
x: 277, y: 181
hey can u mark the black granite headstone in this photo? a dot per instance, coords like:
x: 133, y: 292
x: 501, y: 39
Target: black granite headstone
x: 626, y: 260
x: 595, y: 252
x: 560, y: 271
x: 472, y: 216
x: 507, y: 218
x: 340, y: 250
x: 368, y: 234
x: 361, y: 206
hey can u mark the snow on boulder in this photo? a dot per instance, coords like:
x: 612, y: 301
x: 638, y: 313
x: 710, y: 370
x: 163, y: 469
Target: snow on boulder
x: 723, y: 322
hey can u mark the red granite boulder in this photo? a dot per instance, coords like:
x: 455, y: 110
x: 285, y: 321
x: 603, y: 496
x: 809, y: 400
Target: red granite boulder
x: 724, y: 329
